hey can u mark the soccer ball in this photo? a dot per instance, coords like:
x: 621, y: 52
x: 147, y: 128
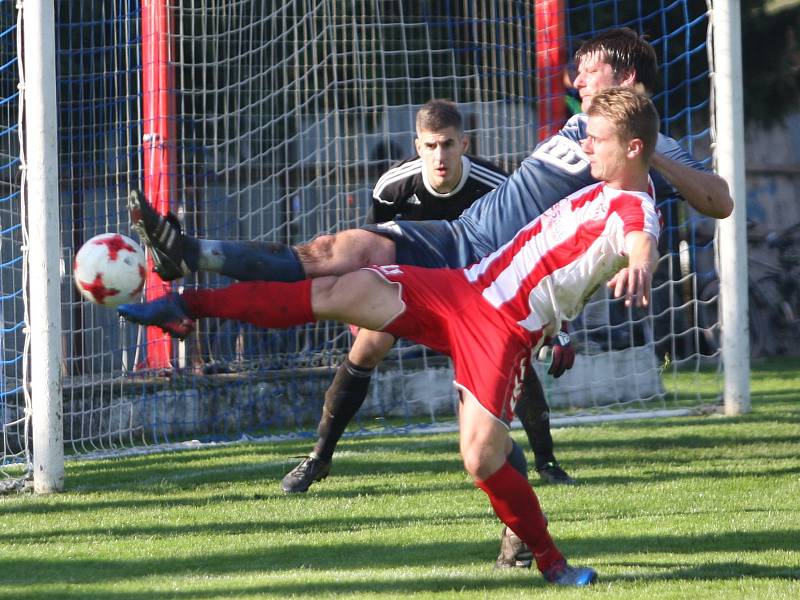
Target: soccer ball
x: 110, y: 270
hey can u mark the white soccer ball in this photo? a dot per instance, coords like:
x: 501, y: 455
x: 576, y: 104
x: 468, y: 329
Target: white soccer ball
x: 110, y: 269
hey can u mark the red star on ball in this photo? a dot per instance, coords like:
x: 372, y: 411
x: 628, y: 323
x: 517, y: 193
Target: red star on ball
x: 98, y: 290
x: 114, y: 244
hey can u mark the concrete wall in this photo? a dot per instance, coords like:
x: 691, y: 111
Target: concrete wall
x: 773, y: 174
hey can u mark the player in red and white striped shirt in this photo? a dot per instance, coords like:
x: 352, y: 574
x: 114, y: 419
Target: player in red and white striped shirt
x: 490, y: 316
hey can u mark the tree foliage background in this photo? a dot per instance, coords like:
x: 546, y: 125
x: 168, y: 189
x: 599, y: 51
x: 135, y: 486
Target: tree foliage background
x: 771, y: 61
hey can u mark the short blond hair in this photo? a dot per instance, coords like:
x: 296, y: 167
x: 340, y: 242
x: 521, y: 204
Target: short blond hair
x: 633, y: 114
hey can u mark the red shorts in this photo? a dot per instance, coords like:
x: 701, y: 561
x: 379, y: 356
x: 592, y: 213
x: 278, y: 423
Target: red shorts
x: 445, y: 312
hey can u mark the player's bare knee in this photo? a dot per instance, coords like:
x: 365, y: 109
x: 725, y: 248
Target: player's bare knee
x: 358, y: 248
x: 382, y: 250
x: 476, y: 463
x: 344, y: 252
x: 370, y: 348
x: 316, y: 252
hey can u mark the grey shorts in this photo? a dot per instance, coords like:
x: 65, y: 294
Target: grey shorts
x: 431, y: 244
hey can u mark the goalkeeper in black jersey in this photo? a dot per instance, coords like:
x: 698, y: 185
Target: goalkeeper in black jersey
x: 439, y: 183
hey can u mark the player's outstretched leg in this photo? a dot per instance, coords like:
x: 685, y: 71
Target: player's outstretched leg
x: 169, y: 313
x: 176, y: 255
x: 276, y: 304
x: 162, y: 235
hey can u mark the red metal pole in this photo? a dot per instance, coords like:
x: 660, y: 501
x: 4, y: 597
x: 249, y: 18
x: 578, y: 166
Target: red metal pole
x: 550, y: 64
x: 158, y: 145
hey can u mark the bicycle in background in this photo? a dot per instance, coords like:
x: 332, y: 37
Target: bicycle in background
x: 773, y: 293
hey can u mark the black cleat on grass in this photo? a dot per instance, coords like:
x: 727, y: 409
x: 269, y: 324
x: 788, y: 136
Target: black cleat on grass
x: 552, y: 472
x: 300, y: 478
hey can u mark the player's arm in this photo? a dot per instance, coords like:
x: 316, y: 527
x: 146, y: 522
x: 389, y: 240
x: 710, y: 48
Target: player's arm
x: 634, y: 281
x: 705, y: 191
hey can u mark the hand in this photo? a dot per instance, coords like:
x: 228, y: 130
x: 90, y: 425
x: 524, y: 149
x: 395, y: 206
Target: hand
x: 634, y: 283
x: 563, y: 355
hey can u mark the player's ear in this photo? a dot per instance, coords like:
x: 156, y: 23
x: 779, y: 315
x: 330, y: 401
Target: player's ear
x: 417, y: 145
x: 464, y: 142
x: 635, y: 148
x: 629, y: 80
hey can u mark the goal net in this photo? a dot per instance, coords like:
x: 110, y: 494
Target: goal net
x: 265, y: 121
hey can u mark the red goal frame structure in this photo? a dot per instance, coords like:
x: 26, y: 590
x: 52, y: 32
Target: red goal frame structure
x: 158, y: 146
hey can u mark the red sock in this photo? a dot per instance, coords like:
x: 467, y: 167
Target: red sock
x: 263, y: 303
x: 515, y: 502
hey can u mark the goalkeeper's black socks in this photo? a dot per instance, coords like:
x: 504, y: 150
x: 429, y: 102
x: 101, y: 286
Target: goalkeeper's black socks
x: 343, y: 398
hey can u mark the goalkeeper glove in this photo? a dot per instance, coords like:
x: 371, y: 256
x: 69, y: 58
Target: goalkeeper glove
x: 563, y: 354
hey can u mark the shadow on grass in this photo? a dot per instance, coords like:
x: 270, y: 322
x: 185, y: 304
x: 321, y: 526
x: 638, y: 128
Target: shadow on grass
x: 288, y: 524
x: 314, y: 558
x: 437, y: 452
x: 662, y: 457
x: 722, y: 570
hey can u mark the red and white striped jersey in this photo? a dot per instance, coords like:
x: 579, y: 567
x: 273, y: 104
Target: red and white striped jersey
x: 548, y: 271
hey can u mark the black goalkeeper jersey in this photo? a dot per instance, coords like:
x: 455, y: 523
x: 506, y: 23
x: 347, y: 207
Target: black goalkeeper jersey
x: 402, y: 193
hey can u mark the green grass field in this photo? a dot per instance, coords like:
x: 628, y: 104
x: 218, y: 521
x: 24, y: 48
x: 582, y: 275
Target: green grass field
x: 700, y: 507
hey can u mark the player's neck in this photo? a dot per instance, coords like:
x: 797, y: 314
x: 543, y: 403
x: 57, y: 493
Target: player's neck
x: 633, y: 181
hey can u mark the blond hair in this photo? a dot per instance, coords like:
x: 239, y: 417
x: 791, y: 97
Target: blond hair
x: 632, y: 113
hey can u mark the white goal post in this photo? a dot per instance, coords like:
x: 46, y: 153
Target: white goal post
x: 40, y: 189
x: 729, y: 121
